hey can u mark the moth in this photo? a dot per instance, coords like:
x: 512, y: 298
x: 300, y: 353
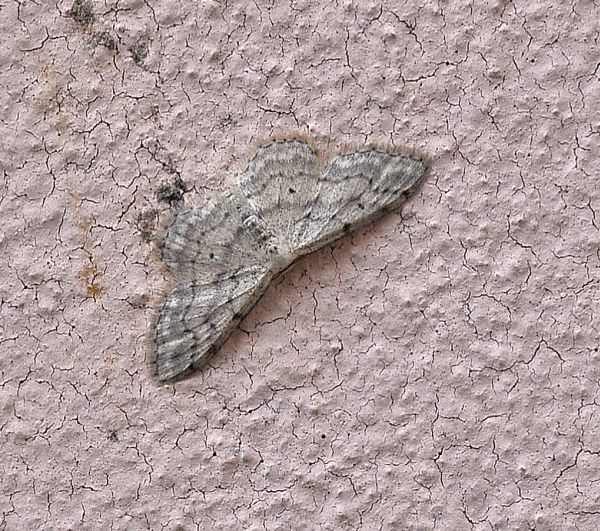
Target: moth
x: 289, y: 202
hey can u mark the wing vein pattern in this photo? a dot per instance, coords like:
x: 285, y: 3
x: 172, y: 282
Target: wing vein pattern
x: 288, y: 202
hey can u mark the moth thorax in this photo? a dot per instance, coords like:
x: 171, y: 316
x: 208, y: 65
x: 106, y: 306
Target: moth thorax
x: 257, y: 228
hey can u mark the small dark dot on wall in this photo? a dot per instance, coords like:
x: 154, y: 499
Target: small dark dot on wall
x: 103, y: 38
x: 323, y: 436
x: 214, y: 454
x: 82, y: 12
x: 139, y: 50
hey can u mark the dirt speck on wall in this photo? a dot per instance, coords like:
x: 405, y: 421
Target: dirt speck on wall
x: 437, y: 370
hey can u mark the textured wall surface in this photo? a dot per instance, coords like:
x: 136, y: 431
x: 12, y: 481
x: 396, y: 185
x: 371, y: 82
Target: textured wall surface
x: 439, y: 369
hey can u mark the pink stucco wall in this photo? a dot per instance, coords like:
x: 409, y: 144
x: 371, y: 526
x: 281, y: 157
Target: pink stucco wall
x: 437, y: 370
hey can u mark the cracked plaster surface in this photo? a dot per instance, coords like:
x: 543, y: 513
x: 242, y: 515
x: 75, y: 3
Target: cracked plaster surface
x: 437, y: 370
